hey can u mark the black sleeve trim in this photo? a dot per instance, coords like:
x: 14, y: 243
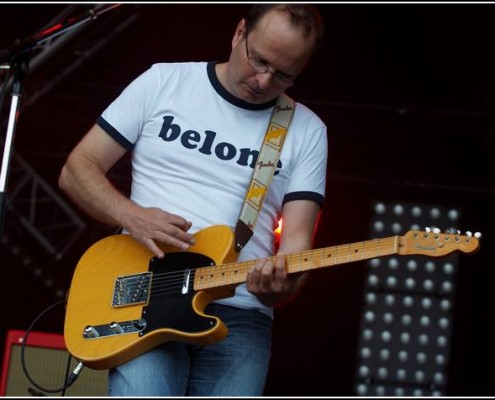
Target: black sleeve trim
x: 114, y: 133
x: 316, y: 197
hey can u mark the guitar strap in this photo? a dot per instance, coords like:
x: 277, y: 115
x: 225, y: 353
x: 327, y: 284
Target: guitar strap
x: 264, y: 169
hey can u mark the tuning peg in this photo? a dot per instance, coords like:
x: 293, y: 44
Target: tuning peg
x: 477, y: 235
x: 427, y: 229
x: 436, y: 231
x: 469, y: 233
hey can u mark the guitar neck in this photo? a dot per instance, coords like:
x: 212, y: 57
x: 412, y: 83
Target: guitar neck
x: 236, y: 273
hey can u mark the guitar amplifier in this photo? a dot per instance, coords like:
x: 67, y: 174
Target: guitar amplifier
x: 47, y: 362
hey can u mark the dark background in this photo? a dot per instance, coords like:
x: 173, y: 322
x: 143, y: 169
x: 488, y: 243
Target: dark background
x: 407, y: 92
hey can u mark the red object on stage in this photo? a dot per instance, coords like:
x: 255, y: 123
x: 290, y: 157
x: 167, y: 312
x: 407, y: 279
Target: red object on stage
x: 47, y: 362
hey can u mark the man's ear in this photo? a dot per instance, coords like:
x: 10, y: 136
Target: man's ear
x: 239, y: 32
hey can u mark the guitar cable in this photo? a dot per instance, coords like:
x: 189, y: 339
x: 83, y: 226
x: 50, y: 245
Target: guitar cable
x: 70, y: 379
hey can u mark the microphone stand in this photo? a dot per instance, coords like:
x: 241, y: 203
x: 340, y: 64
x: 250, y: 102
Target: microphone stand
x: 17, y: 59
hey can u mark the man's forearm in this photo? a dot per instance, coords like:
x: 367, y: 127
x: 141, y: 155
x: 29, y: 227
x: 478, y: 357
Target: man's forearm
x: 87, y: 187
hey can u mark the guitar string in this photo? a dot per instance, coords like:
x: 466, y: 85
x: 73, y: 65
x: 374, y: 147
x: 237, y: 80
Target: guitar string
x: 169, y: 282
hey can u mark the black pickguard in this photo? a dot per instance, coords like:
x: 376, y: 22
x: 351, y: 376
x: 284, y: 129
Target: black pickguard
x: 173, y: 309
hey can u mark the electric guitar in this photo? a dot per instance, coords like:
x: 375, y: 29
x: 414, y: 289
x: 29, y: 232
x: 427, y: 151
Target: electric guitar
x: 124, y: 301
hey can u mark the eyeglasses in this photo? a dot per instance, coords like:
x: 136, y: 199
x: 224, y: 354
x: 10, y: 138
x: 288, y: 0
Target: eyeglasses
x: 263, y: 68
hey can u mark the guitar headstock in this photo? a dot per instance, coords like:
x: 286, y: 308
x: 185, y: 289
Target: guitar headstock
x: 435, y: 244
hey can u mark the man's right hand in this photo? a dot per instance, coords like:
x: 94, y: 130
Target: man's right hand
x: 152, y: 226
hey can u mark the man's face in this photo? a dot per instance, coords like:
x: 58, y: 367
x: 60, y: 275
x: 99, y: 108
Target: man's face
x: 266, y: 60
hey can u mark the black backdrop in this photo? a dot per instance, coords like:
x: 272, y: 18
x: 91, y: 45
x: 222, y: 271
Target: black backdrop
x: 407, y: 91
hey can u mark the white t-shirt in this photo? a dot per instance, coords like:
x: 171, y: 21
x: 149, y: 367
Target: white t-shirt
x: 194, y: 146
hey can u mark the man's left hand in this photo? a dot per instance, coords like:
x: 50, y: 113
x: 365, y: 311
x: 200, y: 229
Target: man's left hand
x: 269, y: 281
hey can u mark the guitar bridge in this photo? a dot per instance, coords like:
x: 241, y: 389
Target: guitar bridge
x: 131, y: 290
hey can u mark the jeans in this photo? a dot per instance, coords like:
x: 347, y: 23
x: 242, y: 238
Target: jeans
x: 234, y: 366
